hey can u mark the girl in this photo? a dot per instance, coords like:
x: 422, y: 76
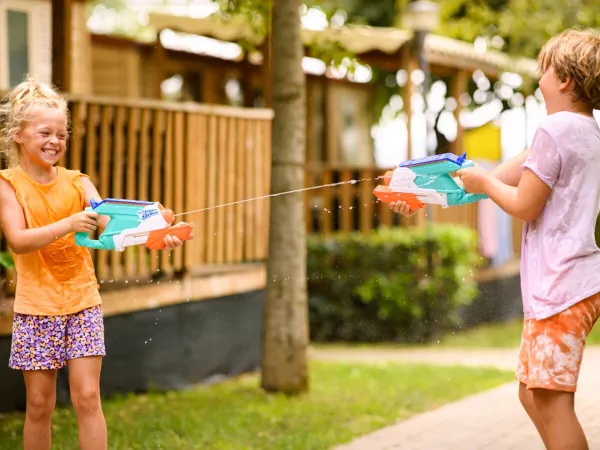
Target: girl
x: 58, y: 317
x: 556, y: 192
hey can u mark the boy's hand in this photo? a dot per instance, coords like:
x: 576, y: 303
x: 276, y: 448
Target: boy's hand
x: 172, y: 242
x: 401, y: 208
x: 473, y: 179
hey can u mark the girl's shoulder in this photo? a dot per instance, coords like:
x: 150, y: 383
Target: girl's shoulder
x: 10, y: 175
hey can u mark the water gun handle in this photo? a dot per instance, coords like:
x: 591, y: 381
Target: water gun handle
x: 472, y: 198
x: 83, y: 239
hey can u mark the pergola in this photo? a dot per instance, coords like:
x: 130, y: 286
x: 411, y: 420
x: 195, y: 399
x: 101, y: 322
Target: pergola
x: 387, y: 48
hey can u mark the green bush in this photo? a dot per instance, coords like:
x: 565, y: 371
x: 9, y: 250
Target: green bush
x: 380, y: 287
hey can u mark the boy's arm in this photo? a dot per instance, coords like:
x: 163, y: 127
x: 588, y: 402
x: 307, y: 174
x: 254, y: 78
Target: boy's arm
x: 12, y: 219
x: 509, y: 172
x: 525, y: 202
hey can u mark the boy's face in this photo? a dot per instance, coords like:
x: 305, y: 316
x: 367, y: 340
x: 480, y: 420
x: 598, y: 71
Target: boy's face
x: 555, y: 92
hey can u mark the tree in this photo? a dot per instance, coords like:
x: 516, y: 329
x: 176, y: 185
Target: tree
x: 285, y: 331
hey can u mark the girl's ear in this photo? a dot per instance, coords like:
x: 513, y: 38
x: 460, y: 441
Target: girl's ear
x: 16, y: 135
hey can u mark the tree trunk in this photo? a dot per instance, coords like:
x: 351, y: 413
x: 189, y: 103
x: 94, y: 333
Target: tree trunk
x: 285, y: 338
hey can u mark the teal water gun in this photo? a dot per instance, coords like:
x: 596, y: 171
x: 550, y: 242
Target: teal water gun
x: 133, y: 222
x: 427, y: 180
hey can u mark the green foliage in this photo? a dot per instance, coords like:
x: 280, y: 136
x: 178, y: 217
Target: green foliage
x: 378, y: 286
x: 6, y: 261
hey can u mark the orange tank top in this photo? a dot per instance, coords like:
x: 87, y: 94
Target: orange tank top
x: 58, y: 279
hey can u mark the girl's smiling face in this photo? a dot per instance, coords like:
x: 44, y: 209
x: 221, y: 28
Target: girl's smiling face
x: 42, y: 139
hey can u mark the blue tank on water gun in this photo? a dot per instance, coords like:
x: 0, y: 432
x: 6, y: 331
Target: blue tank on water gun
x: 427, y: 180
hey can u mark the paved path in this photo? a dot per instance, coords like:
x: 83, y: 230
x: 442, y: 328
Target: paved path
x: 491, y: 420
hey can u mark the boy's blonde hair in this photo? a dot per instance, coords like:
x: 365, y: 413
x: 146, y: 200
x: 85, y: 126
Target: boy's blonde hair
x: 575, y: 54
x: 15, y: 110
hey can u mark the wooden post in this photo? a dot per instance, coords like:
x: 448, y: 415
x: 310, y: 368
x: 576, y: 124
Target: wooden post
x: 460, y: 82
x: 410, y: 65
x: 159, y: 67
x: 267, y: 63
x: 62, y: 29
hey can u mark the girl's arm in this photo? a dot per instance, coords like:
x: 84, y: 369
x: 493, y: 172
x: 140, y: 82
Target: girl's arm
x: 23, y: 240
x: 509, y: 172
x: 91, y: 192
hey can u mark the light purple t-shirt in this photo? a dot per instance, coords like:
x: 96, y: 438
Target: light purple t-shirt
x: 560, y: 262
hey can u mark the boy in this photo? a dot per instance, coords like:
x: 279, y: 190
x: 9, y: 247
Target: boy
x: 556, y: 192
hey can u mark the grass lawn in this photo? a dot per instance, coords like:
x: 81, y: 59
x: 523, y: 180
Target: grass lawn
x: 496, y: 335
x: 345, y: 401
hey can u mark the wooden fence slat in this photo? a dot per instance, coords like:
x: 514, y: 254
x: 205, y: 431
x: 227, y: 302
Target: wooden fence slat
x: 179, y: 178
x: 222, y: 174
x: 201, y: 171
x: 211, y: 189
x: 116, y: 258
x: 259, y: 184
x: 250, y: 233
x: 133, y: 123
x: 266, y: 158
x: 238, y: 239
x: 230, y: 168
x: 156, y: 184
x: 143, y: 183
x: 165, y: 261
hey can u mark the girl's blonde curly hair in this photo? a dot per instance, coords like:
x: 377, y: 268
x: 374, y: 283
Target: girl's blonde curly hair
x: 16, y: 110
x: 575, y: 54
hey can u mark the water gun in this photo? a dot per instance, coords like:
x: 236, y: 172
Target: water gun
x: 133, y: 223
x: 427, y: 180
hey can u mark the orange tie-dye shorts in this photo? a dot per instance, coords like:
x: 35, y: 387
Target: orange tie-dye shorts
x: 552, y: 349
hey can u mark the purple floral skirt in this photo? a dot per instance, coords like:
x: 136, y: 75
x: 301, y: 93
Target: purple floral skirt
x: 48, y: 342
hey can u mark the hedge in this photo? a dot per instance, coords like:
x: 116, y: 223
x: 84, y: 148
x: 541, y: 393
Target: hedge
x: 379, y: 286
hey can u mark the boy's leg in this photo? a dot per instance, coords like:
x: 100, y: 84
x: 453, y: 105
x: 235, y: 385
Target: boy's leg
x: 85, y: 349
x: 526, y: 398
x: 37, y: 350
x: 522, y: 375
x: 556, y: 352
x: 557, y: 410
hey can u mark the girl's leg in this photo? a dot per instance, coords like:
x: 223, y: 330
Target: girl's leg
x: 557, y: 410
x: 41, y: 399
x: 85, y: 349
x: 84, y: 380
x: 526, y: 397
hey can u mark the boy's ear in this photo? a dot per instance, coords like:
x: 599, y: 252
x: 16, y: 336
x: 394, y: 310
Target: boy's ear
x: 566, y: 85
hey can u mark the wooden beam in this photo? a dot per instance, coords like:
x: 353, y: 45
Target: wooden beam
x: 62, y: 35
x: 459, y: 86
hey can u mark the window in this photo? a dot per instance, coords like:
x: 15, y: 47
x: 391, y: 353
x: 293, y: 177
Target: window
x: 18, y: 46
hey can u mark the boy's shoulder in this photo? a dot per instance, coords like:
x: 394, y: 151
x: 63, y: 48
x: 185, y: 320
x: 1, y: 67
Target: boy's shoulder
x: 565, y: 122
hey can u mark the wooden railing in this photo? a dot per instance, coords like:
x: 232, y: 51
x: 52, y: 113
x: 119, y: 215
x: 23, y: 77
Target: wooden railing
x: 188, y: 157
x: 353, y: 207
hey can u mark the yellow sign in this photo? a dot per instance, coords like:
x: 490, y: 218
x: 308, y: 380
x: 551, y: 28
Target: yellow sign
x: 484, y: 142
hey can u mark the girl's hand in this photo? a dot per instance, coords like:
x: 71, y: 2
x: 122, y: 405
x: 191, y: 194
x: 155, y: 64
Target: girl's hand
x: 84, y: 221
x: 401, y: 208
x: 172, y: 242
